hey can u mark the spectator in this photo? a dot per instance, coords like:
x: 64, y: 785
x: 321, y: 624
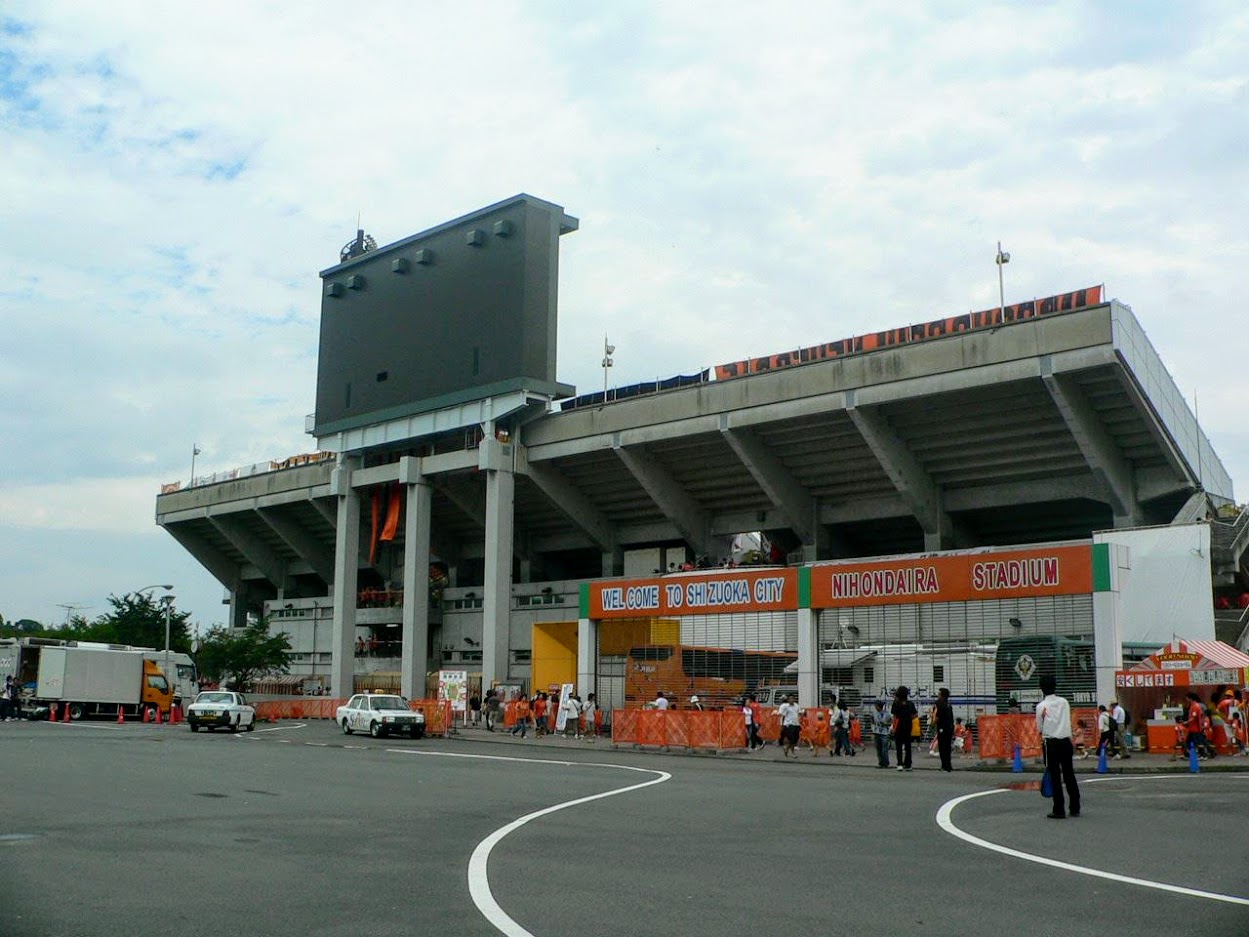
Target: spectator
x: 572, y: 716
x: 963, y: 742
x: 521, y: 708
x: 1053, y: 722
x: 590, y: 715
x: 1104, y: 733
x: 881, y: 724
x: 1119, y: 727
x: 945, y: 728
x: 539, y: 708
x: 1195, y: 725
x: 756, y: 721
x: 791, y: 719
x: 661, y: 701
x: 1079, y: 739
x: 903, y: 712
x: 474, y: 707
x: 696, y: 704
x: 491, y: 709
x: 841, y: 730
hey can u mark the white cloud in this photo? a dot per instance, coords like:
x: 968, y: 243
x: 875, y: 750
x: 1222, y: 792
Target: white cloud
x: 747, y: 180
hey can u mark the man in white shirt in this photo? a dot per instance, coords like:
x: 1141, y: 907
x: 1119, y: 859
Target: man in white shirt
x: 1053, y: 721
x: 1119, y: 718
x: 791, y: 718
x: 661, y: 701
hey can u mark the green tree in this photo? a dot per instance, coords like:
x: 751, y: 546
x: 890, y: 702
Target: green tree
x: 137, y: 619
x: 242, y: 656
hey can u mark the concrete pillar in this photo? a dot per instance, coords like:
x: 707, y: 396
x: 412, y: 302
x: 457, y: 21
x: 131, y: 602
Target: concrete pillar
x: 808, y: 658
x: 346, y: 567
x: 587, y: 656
x: 415, y: 660
x: 613, y: 562
x: 497, y: 598
x: 238, y: 605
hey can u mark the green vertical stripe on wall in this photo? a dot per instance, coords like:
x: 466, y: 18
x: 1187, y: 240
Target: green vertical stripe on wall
x: 804, y: 586
x: 585, y: 600
x: 1101, y: 567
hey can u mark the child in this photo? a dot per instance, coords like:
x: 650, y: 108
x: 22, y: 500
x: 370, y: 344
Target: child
x: 1079, y: 739
x: 962, y: 737
x: 1181, y: 739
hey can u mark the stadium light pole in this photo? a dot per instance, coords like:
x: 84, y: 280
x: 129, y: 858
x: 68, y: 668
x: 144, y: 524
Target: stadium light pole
x: 1002, y: 259
x: 608, y: 351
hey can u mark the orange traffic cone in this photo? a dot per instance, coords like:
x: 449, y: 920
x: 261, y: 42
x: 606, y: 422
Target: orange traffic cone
x: 66, y: 717
x: 52, y: 712
x: 158, y: 715
x: 121, y: 716
x: 147, y: 714
x: 175, y: 714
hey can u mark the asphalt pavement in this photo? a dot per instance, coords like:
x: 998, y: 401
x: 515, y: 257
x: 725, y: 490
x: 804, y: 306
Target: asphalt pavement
x: 296, y: 829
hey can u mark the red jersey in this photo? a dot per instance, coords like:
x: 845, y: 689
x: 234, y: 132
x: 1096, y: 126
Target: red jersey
x: 539, y: 708
x: 1196, y: 713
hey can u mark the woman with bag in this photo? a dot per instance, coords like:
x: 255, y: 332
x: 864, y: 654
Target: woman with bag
x: 904, y: 716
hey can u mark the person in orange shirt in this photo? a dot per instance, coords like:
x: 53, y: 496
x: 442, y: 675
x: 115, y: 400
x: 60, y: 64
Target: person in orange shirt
x: 522, y: 717
x: 539, y: 716
x: 962, y: 737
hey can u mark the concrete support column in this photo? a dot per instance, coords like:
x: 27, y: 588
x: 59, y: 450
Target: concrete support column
x: 346, y: 566
x: 497, y: 601
x: 587, y: 656
x: 415, y: 660
x: 238, y: 605
x: 808, y: 658
x: 613, y: 562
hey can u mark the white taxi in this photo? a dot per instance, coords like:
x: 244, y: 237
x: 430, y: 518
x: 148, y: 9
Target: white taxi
x: 224, y: 709
x: 379, y: 714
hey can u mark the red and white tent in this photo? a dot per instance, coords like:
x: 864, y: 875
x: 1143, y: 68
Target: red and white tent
x: 1188, y: 664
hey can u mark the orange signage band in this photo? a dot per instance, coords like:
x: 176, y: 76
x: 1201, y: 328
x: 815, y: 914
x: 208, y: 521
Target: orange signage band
x: 954, y: 578
x: 771, y: 590
x: 909, y: 334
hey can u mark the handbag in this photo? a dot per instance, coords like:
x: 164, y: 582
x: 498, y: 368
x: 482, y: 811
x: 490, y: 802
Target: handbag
x: 1047, y: 784
x: 917, y: 730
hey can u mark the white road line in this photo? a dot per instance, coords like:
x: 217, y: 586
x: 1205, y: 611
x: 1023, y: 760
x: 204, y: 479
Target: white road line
x: 946, y: 823
x: 297, y: 725
x: 478, y: 879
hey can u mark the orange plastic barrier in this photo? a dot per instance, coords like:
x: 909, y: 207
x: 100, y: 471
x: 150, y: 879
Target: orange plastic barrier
x: 624, y: 726
x: 769, y: 725
x: 703, y: 730
x: 652, y: 727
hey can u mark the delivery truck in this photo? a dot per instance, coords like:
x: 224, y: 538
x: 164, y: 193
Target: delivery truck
x: 89, y: 679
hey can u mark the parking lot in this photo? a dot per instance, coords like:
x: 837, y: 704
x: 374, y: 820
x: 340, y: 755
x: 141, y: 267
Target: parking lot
x: 298, y: 829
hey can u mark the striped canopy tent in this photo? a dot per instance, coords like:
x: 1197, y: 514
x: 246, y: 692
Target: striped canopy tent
x: 1188, y: 664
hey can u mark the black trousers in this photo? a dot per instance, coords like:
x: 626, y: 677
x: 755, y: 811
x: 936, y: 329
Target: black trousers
x: 1062, y: 772
x: 945, y: 748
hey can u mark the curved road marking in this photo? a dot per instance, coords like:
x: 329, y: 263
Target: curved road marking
x: 946, y: 823
x: 478, y: 880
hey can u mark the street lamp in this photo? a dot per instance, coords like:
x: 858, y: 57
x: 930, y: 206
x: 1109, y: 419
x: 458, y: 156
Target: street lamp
x: 608, y: 351
x: 168, y: 600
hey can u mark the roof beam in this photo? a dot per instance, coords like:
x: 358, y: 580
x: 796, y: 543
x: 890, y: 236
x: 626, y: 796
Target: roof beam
x: 258, y: 553
x: 465, y: 496
x: 919, y: 492
x: 223, y: 569
x: 318, y: 555
x: 1109, y: 467
x: 777, y: 482
x: 570, y: 500
x: 689, y: 517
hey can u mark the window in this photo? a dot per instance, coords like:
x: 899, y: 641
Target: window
x: 869, y: 674
x: 938, y: 673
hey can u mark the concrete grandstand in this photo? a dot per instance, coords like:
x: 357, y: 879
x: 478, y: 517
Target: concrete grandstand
x: 1039, y: 424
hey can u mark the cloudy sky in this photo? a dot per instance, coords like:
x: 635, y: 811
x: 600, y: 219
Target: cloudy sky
x: 174, y: 175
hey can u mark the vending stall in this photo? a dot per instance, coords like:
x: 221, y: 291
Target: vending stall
x: 1154, y: 691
